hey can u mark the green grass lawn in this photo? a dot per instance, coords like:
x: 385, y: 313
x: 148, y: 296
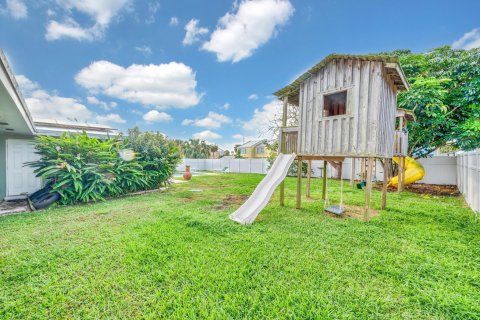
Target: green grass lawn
x: 177, y: 255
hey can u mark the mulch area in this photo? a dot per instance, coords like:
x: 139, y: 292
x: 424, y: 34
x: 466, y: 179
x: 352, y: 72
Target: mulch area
x: 428, y: 189
x: 433, y: 189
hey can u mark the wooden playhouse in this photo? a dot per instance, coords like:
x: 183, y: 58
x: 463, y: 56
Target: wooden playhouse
x: 347, y: 109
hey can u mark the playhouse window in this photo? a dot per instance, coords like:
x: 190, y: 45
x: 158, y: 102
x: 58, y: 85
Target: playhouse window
x: 335, y: 104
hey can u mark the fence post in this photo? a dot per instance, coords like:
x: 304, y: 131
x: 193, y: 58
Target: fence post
x: 468, y: 178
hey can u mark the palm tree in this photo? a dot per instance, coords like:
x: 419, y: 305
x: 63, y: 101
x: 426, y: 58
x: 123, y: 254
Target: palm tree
x: 213, y: 149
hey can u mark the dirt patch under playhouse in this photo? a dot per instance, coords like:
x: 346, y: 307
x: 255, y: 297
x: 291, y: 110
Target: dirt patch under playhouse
x: 354, y: 212
x: 229, y: 201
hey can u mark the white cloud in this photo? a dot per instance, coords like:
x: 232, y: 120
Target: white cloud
x: 111, y: 117
x: 262, y: 118
x: 102, y: 104
x: 240, y: 138
x: 71, y: 29
x: 253, y: 96
x: 146, y: 50
x: 152, y: 9
x: 239, y: 33
x: 17, y: 9
x: 468, y: 41
x: 193, y: 32
x: 226, y: 106
x: 165, y: 85
x: 213, y: 120
x: 173, y: 22
x: 237, y: 136
x: 26, y: 85
x: 206, y: 135
x: 101, y: 12
x: 156, y: 116
x: 46, y: 105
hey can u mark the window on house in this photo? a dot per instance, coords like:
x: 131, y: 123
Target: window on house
x: 243, y: 151
x: 335, y: 104
x: 260, y: 150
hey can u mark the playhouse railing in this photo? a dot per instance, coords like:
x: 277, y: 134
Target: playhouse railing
x: 289, y: 135
x: 401, y: 144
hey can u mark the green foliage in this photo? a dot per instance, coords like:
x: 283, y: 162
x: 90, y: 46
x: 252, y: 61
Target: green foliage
x: 194, y: 148
x: 445, y: 95
x: 83, y: 169
x: 157, y: 155
x: 293, y: 171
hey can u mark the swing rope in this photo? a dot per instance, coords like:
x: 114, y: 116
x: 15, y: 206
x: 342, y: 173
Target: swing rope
x: 341, y: 186
x: 325, y: 206
x: 327, y: 201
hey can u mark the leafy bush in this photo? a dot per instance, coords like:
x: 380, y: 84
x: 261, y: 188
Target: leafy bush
x: 157, y: 155
x: 83, y: 169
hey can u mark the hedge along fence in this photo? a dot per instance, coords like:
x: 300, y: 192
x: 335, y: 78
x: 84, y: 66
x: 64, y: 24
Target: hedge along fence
x: 83, y: 169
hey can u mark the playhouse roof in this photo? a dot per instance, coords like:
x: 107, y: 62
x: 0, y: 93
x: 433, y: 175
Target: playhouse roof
x: 252, y: 143
x: 393, y: 66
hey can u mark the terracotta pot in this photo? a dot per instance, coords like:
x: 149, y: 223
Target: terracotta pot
x: 187, y: 175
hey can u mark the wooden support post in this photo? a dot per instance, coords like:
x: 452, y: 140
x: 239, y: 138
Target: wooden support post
x: 299, y: 184
x: 309, y: 174
x: 401, y: 174
x: 282, y: 146
x: 386, y: 175
x: 362, y: 172
x: 352, y: 175
x: 282, y: 193
x: 324, y: 182
x: 368, y: 188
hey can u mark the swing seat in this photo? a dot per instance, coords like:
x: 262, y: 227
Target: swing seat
x: 338, y: 210
x: 361, y: 185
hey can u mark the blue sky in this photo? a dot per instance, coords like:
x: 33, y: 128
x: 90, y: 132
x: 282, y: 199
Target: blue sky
x: 202, y: 69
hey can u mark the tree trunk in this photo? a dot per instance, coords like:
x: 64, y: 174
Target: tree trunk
x: 337, y: 168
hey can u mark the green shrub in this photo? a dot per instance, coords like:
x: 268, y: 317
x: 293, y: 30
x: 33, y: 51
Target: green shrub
x: 157, y: 155
x: 83, y: 169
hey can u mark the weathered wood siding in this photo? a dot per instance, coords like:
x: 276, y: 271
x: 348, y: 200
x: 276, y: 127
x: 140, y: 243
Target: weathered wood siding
x: 386, y: 121
x: 367, y: 129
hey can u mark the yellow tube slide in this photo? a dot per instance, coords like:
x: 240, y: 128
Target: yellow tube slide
x: 413, y: 171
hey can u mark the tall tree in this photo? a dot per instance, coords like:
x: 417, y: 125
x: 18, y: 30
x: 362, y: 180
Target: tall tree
x: 213, y: 149
x: 194, y: 148
x: 445, y: 96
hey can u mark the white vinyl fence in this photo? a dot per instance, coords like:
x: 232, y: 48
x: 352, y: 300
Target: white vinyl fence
x: 226, y: 164
x: 439, y: 170
x: 468, y: 182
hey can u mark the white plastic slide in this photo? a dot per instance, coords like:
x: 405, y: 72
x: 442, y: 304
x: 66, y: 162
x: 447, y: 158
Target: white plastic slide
x: 247, y: 213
